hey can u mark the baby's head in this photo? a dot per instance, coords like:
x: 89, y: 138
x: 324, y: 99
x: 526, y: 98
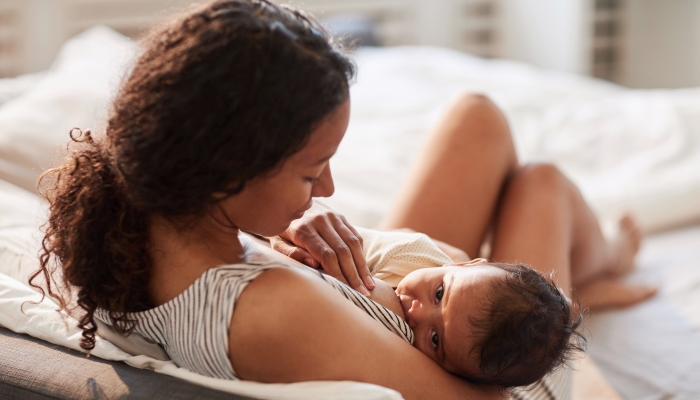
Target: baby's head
x: 491, y: 323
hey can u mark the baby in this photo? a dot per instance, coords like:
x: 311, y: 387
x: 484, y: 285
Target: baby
x: 490, y: 323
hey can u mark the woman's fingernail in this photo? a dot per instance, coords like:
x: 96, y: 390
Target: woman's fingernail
x: 309, y: 262
x: 364, y: 290
x: 369, y: 281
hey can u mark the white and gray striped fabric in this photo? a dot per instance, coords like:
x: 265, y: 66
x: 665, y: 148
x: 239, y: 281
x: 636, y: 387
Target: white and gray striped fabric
x: 193, y: 327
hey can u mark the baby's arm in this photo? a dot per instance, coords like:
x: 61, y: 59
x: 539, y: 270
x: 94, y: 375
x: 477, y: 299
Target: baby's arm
x: 457, y: 255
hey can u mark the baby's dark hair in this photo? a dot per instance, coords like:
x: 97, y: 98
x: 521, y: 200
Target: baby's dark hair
x: 526, y: 331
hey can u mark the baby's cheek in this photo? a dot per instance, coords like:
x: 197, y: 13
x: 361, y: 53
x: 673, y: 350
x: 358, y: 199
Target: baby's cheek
x: 428, y: 353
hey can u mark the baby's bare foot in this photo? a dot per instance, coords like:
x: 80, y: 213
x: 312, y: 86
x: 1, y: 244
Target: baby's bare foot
x: 613, y: 293
x: 623, y: 246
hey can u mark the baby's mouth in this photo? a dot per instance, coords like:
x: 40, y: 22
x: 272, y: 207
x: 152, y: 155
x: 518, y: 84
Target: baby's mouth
x: 405, y: 305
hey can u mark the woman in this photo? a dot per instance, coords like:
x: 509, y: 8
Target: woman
x: 227, y: 124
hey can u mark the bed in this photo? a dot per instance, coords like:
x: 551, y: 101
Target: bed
x: 626, y: 149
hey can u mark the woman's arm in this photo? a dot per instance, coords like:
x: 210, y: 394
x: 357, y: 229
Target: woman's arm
x: 289, y: 327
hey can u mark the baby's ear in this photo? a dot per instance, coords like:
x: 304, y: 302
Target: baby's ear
x: 474, y: 261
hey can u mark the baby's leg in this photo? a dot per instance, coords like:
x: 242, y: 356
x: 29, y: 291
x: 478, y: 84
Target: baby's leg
x: 453, y: 189
x: 545, y: 222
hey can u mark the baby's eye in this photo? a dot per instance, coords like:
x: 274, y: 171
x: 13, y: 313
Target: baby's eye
x: 434, y: 339
x: 439, y: 293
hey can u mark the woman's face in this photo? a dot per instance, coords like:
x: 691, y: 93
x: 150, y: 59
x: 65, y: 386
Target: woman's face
x: 267, y: 205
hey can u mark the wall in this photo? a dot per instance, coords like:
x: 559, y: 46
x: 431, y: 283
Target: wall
x: 661, y: 43
x: 554, y: 34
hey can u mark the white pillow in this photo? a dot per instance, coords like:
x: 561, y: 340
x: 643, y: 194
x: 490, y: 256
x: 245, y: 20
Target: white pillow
x: 21, y: 214
x: 11, y: 88
x: 76, y: 92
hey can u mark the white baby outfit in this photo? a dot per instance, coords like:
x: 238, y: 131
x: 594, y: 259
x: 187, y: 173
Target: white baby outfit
x: 391, y: 255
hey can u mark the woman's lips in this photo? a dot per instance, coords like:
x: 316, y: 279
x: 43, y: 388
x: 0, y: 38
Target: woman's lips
x: 301, y: 212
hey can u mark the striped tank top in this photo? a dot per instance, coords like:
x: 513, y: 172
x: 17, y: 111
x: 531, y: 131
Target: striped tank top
x: 193, y: 327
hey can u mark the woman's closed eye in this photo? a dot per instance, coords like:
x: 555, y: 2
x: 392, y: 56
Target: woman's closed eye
x: 312, y: 179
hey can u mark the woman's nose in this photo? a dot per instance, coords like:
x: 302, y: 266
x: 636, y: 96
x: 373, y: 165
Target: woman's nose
x: 324, y: 186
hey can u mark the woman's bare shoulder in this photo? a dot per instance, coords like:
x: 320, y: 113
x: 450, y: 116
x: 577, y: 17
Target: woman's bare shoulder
x: 289, y: 326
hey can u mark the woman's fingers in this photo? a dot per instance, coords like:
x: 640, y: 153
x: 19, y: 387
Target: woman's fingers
x: 288, y: 248
x: 347, y: 246
x: 355, y: 242
x: 342, y: 256
x: 331, y: 241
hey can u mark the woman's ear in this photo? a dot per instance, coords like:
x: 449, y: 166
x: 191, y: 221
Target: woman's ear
x: 474, y: 261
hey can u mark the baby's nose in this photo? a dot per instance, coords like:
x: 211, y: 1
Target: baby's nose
x: 415, y: 314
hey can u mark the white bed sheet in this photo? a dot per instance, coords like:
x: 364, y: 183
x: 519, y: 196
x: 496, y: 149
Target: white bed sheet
x: 652, y: 351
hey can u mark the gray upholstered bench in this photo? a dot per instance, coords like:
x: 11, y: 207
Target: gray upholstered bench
x: 33, y: 369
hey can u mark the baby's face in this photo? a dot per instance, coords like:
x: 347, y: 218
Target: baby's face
x: 438, y: 303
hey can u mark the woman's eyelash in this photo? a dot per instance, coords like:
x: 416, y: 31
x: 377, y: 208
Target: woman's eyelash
x: 439, y: 293
x: 434, y: 340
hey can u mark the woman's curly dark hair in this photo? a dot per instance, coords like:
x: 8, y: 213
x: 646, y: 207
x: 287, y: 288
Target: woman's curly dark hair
x: 220, y: 95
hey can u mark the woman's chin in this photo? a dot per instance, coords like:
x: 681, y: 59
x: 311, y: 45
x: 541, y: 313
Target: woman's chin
x: 268, y: 231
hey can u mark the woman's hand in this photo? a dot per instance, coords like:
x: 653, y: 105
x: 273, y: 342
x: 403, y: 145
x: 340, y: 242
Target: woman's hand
x: 322, y: 238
